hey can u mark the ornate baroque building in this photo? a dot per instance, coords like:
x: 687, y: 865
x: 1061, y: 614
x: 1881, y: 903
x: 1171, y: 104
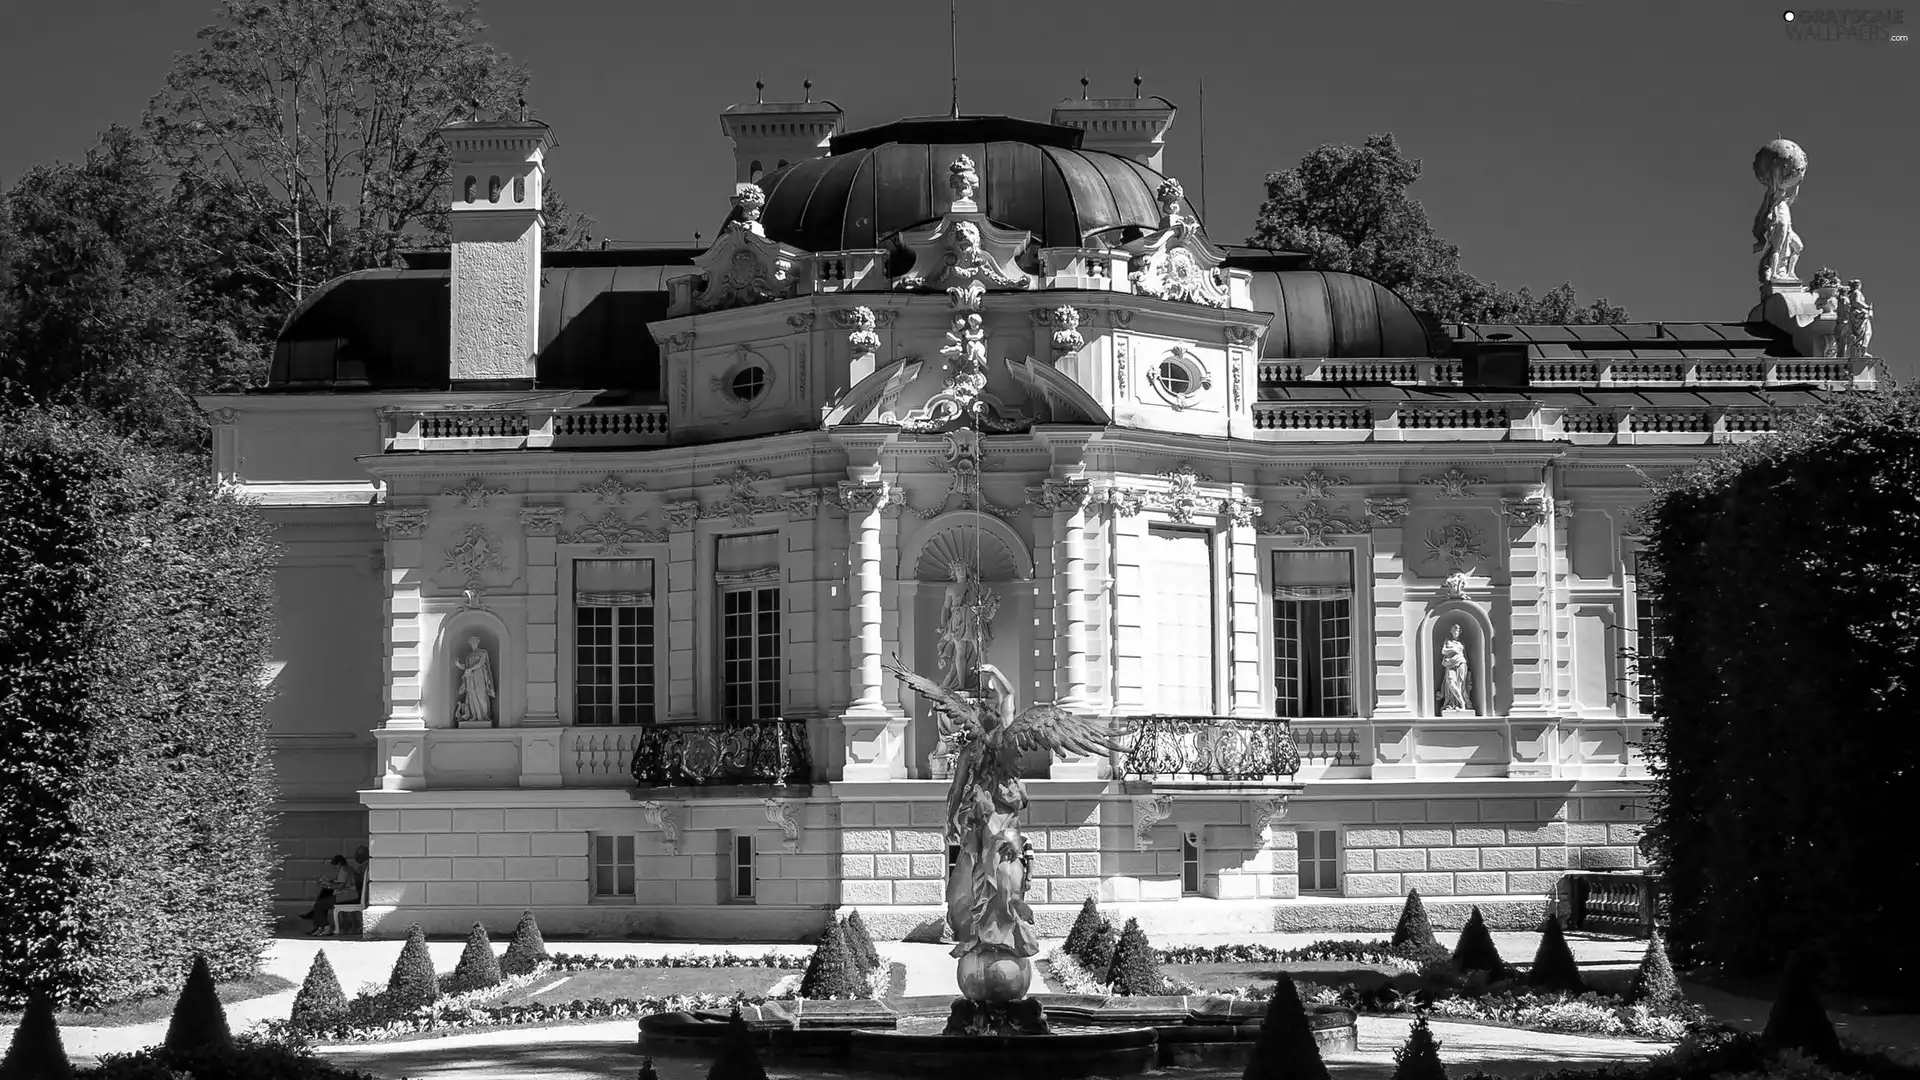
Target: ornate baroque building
x: 593, y: 558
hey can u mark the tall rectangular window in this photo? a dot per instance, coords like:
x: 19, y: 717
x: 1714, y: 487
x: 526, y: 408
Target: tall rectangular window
x: 1319, y: 860
x: 1180, y: 597
x: 614, y: 674
x: 748, y: 574
x: 1190, y: 873
x: 1649, y: 641
x: 1313, y: 598
x: 744, y: 875
x: 612, y: 865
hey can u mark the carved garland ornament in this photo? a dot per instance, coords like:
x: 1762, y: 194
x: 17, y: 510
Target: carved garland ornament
x: 1182, y: 495
x: 402, y: 523
x: 1316, y: 484
x: 1059, y: 496
x: 1453, y: 483
x: 542, y: 520
x: 861, y: 496
x: 613, y: 534
x: 1314, y: 524
x: 473, y: 495
x: 1388, y: 510
x: 611, y: 491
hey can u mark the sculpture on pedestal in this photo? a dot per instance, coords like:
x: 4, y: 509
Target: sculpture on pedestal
x: 474, y: 704
x: 1456, y: 675
x: 994, y: 935
x: 1780, y: 165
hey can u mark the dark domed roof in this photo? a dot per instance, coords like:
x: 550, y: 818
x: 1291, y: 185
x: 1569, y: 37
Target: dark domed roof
x: 1325, y: 314
x: 1032, y: 176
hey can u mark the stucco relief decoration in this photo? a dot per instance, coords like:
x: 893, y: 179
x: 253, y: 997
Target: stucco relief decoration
x: 1266, y: 811
x: 1123, y: 502
x: 611, y: 534
x: 1313, y: 523
x: 1175, y: 262
x: 1066, y: 330
x: 1316, y: 484
x: 1148, y: 812
x: 1388, y: 510
x: 611, y: 492
x: 743, y: 267
x: 1457, y: 546
x: 222, y: 417
x: 1182, y: 496
x: 961, y: 460
x: 864, y: 338
x: 964, y: 249
x: 1526, y: 513
x: 665, y: 819
x: 542, y: 520
x: 476, y: 553
x: 862, y: 496
x: 1454, y: 483
x: 680, y: 516
x: 473, y: 494
x: 801, y: 321
x: 1059, y: 496
x: 403, y: 523
x: 742, y: 502
x: 798, y: 502
x: 1242, y: 336
x: 680, y: 342
x: 785, y: 816
x: 1240, y: 511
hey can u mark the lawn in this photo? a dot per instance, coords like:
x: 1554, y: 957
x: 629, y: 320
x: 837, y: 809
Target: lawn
x: 160, y: 1006
x: 636, y: 983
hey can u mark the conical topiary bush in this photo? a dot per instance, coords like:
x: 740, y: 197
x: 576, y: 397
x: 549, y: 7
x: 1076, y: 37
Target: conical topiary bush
x: 1285, y: 1048
x: 527, y: 951
x: 1099, y: 950
x: 1134, y: 969
x: 478, y: 967
x: 1655, y: 985
x: 738, y: 1058
x: 1414, y: 928
x: 860, y: 941
x: 1798, y: 1020
x: 1419, y: 1057
x: 1475, y: 950
x: 320, y: 1001
x: 37, y: 1052
x: 199, y: 1020
x: 831, y: 970
x: 1084, y: 926
x: 647, y: 1071
x: 1553, y: 964
x: 413, y: 982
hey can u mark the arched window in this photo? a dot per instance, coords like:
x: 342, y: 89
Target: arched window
x: 493, y: 189
x: 754, y: 172
x: 472, y: 184
x: 519, y: 189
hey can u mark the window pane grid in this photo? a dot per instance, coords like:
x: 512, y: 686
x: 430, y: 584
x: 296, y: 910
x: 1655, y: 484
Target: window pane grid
x: 614, y: 670
x: 1319, y: 861
x: 1313, y: 646
x: 750, y: 675
x: 613, y: 866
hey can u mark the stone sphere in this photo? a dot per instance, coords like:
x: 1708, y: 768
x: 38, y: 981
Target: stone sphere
x: 1780, y: 160
x: 991, y: 975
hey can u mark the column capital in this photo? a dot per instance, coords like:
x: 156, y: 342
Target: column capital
x: 864, y: 495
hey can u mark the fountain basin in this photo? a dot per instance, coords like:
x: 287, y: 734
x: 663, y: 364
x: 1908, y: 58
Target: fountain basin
x: 913, y: 1050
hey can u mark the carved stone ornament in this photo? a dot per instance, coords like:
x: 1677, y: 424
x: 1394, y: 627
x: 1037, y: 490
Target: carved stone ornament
x: 748, y: 202
x: 1242, y: 336
x: 679, y: 342
x: 1149, y: 811
x: 663, y: 818
x: 1240, y: 511
x: 1313, y: 523
x: 1181, y: 498
x: 1455, y: 544
x: 964, y: 251
x: 1316, y: 484
x: 1526, y: 513
x: 798, y: 502
x: 1454, y: 483
x: 1059, y: 496
x: 222, y: 417
x: 743, y: 268
x: 1268, y: 810
x: 801, y: 321
x: 852, y: 319
x: 742, y: 502
x: 1780, y: 166
x: 961, y: 461
x: 476, y: 553
x: 1175, y: 262
x: 963, y: 179
x: 612, y: 534
x: 1455, y: 587
x: 680, y: 516
x: 1388, y: 510
x: 785, y: 815
x: 473, y: 494
x: 864, y: 338
x: 402, y: 523
x: 542, y: 520
x: 1123, y: 502
x: 611, y: 492
x: 1066, y: 330
x: 861, y: 496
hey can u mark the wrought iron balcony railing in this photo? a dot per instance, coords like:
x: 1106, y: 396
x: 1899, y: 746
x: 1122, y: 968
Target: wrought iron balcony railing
x: 1212, y: 748
x: 751, y: 752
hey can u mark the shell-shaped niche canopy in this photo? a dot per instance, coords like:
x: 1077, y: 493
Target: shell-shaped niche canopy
x: 970, y: 539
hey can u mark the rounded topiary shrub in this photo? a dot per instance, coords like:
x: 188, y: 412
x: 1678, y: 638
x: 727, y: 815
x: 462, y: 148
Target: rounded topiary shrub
x: 1285, y: 1048
x: 1476, y: 952
x: 1798, y: 1020
x: 831, y: 970
x: 199, y: 1020
x: 1084, y: 926
x: 738, y: 1058
x: 1419, y: 1057
x: 1655, y: 985
x: 860, y: 941
x: 527, y: 951
x: 320, y: 1001
x: 1553, y: 964
x: 478, y: 967
x: 1414, y: 931
x: 1134, y: 969
x: 413, y: 982
x: 36, y: 1052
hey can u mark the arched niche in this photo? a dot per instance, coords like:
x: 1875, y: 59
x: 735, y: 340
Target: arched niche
x: 440, y: 689
x: 972, y: 538
x: 1476, y: 630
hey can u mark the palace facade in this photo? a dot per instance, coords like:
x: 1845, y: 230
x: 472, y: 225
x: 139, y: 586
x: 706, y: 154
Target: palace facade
x: 592, y: 558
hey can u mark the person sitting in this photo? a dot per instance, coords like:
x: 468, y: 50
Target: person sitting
x: 342, y: 887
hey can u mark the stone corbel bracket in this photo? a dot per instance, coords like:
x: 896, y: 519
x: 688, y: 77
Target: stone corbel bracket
x: 1268, y: 810
x: 1148, y: 812
x: 786, y: 815
x: 662, y: 817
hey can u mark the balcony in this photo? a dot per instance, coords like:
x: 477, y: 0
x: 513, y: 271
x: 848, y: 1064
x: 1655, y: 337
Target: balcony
x: 761, y: 752
x: 1174, y: 752
x: 1596, y: 373
x: 452, y: 428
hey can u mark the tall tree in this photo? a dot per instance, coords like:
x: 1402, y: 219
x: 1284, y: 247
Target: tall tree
x: 321, y: 118
x: 1349, y: 208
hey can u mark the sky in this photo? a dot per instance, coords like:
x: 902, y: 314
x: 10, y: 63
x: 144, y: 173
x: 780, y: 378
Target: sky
x: 1604, y: 142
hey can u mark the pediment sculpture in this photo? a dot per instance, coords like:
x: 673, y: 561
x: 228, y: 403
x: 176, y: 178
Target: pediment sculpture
x: 964, y: 250
x: 743, y: 267
x: 1175, y: 262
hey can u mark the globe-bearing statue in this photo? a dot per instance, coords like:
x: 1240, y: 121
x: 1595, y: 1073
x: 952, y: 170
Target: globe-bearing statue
x: 994, y: 936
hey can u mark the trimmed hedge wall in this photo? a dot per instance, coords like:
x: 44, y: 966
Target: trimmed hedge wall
x: 1788, y: 574
x: 136, y: 624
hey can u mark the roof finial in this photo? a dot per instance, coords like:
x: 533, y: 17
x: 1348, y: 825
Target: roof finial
x: 953, y: 46
x: 475, y: 103
x: 523, y: 108
x: 1136, y: 84
x: 696, y: 238
x: 807, y: 85
x: 1083, y: 86
x: 759, y: 91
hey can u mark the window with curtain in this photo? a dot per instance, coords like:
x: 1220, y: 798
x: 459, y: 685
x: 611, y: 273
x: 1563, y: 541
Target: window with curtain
x: 614, y: 673
x: 1180, y: 598
x: 747, y: 571
x: 1649, y: 641
x: 1313, y: 597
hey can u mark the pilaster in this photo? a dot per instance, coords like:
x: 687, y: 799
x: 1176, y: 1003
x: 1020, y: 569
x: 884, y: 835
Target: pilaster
x: 1392, y: 680
x: 1532, y: 651
x: 1069, y: 502
x: 682, y: 699
x: 1247, y: 694
x: 401, y: 738
x: 542, y: 525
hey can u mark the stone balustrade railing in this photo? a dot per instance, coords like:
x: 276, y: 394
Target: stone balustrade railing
x: 1518, y: 421
x: 1766, y: 371
x: 522, y: 429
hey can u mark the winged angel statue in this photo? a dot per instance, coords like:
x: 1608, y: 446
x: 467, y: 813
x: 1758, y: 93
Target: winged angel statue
x: 986, y: 893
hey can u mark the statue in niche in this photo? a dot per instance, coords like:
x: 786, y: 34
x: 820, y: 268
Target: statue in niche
x: 474, y: 704
x: 994, y: 935
x: 966, y: 628
x: 1456, y: 676
x: 1781, y: 166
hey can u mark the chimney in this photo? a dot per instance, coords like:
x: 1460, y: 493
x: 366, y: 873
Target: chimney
x: 499, y: 172
x: 769, y: 135
x: 1134, y: 127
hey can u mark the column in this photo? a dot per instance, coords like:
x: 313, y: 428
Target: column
x: 1392, y: 679
x: 683, y: 702
x: 401, y: 740
x: 875, y: 734
x: 1068, y: 499
x: 1247, y: 694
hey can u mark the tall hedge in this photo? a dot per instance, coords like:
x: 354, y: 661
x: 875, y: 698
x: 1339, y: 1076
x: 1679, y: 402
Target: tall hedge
x: 136, y: 624
x: 1788, y: 573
